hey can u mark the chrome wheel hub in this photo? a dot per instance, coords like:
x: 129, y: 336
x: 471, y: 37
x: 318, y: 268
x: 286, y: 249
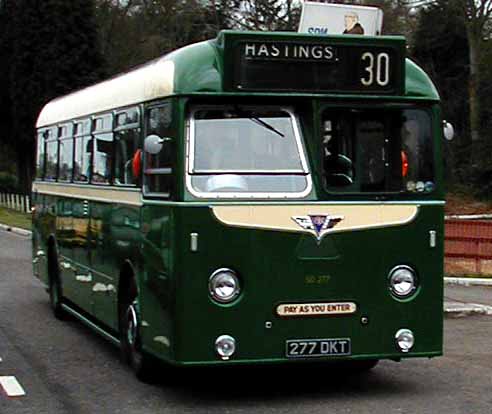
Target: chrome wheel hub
x: 132, y: 327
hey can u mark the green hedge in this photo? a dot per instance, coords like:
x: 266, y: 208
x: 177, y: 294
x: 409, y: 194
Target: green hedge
x: 8, y: 182
x: 13, y: 218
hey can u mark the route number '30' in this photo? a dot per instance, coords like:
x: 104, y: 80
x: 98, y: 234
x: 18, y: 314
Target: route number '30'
x: 376, y: 69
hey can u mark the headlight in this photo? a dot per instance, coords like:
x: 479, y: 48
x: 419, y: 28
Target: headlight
x: 405, y: 340
x: 402, y: 281
x: 224, y: 286
x: 225, y: 346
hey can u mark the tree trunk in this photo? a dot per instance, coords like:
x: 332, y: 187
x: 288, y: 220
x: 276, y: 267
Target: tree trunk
x: 25, y: 168
x: 473, y: 87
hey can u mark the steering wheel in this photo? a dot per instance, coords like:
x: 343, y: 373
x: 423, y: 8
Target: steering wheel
x: 339, y: 179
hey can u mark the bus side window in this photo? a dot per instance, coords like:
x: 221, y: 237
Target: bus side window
x: 51, y: 171
x: 40, y: 156
x: 102, y: 159
x: 158, y: 168
x: 127, y: 133
x: 83, y: 151
x: 65, y: 167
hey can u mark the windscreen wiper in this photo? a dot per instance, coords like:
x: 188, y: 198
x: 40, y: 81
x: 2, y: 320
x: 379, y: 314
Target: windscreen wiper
x: 257, y: 120
x: 266, y: 125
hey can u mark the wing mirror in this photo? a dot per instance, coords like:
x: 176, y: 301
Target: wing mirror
x: 153, y: 144
x: 448, y: 130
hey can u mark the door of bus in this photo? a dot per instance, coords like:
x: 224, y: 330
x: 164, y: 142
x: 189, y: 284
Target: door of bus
x: 103, y: 254
x: 78, y: 275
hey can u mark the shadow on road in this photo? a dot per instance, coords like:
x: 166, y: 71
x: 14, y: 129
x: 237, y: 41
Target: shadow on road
x: 294, y: 381
x: 284, y: 382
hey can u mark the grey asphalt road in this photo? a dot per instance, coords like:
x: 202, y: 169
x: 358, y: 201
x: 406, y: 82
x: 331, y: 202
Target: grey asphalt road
x: 65, y: 368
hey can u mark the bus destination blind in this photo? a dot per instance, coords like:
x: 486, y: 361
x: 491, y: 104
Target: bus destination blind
x: 317, y: 67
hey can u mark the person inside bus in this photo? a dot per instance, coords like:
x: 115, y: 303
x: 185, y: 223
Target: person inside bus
x: 337, y: 160
x: 411, y: 149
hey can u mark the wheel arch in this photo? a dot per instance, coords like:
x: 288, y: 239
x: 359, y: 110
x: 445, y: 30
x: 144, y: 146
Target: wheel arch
x: 127, y: 273
x: 52, y: 257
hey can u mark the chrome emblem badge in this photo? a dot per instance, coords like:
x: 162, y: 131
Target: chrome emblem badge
x: 318, y: 222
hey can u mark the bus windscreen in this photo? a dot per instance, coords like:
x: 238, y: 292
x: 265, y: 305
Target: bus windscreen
x: 242, y: 150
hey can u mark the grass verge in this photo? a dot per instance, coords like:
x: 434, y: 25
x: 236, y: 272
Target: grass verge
x: 15, y: 218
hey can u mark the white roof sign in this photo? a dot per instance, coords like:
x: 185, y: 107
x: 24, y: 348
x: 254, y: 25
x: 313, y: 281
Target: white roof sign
x: 331, y: 19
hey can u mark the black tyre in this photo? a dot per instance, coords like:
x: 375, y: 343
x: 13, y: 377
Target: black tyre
x: 55, y: 288
x: 130, y: 337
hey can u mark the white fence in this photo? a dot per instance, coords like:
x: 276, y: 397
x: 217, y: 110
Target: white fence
x: 19, y: 202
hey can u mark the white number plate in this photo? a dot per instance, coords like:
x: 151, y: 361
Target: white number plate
x: 302, y: 348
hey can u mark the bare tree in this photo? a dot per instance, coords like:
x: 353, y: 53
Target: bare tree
x: 270, y: 15
x: 477, y: 17
x: 136, y: 31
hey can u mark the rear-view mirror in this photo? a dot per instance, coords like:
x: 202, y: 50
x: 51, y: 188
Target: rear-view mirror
x: 153, y: 144
x: 448, y: 130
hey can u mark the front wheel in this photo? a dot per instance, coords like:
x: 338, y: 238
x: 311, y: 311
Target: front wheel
x: 130, y: 337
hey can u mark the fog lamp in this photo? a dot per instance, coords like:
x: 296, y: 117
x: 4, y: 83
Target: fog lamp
x: 225, y: 346
x: 404, y: 340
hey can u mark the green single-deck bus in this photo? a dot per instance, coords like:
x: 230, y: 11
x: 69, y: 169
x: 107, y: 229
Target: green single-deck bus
x: 256, y: 198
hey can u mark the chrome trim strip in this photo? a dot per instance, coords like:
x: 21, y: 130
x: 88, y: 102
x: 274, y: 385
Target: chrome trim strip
x: 103, y: 275
x: 250, y: 172
x: 91, y: 325
x: 199, y: 203
x: 113, y: 195
x: 432, y: 238
x: 420, y: 203
x: 190, y: 160
x: 194, y: 242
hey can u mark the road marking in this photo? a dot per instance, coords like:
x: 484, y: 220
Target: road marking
x: 12, y: 387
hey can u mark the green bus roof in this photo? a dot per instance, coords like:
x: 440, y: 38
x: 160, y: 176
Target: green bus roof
x: 200, y: 67
x: 206, y: 67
